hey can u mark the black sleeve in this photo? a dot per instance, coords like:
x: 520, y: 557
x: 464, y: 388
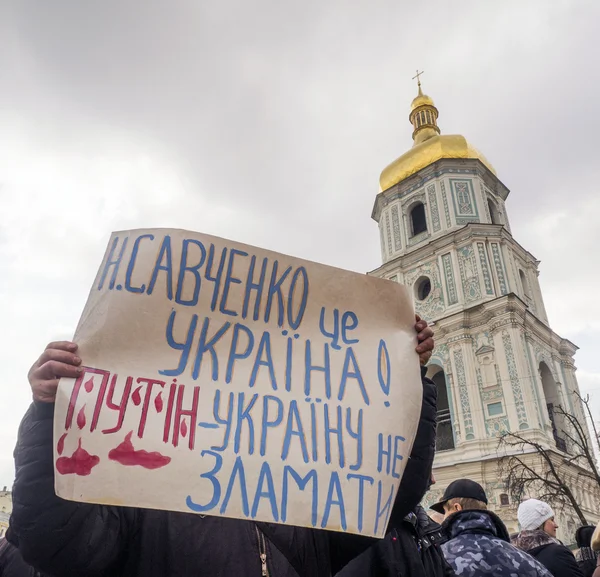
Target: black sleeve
x: 413, y: 486
x: 561, y: 562
x: 51, y: 533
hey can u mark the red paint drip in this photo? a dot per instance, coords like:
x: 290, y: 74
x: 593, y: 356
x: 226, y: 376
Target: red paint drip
x: 128, y: 456
x: 136, y: 397
x: 79, y: 463
x: 158, y: 403
x: 60, y: 446
x: 81, y: 417
x: 183, y: 428
x: 89, y: 385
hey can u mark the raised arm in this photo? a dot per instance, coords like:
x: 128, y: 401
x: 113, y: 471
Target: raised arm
x: 52, y: 533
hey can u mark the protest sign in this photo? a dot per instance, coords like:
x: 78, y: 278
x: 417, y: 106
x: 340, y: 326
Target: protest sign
x: 228, y: 380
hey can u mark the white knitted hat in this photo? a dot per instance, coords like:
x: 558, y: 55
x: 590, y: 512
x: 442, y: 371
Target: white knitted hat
x: 532, y: 514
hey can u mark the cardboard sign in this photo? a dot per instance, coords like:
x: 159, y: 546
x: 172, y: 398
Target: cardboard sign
x: 227, y: 380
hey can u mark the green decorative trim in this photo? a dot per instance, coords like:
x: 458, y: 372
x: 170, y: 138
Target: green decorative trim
x: 469, y: 274
x: 463, y: 199
x: 435, y: 215
x: 463, y: 394
x: 396, y: 228
x: 487, y: 279
x: 500, y: 270
x: 449, y: 278
x: 445, y: 201
x: 514, y: 381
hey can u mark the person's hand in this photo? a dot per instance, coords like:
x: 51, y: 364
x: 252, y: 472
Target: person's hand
x: 425, y: 338
x: 57, y: 361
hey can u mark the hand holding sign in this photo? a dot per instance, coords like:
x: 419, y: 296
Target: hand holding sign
x: 228, y: 380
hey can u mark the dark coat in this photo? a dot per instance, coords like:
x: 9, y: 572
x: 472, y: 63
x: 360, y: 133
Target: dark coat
x: 69, y: 538
x: 12, y: 564
x: 549, y: 552
x: 412, y: 545
x: 479, y: 546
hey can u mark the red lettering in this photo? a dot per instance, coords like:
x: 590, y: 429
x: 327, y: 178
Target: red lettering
x: 122, y: 406
x: 149, y: 384
x: 181, y: 413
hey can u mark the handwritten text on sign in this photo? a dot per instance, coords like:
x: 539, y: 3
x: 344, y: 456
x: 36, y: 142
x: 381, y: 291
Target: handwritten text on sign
x: 229, y: 380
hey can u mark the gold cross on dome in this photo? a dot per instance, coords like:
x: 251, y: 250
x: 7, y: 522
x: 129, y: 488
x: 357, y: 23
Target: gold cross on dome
x: 417, y: 77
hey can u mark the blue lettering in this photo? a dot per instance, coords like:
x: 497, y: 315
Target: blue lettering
x: 211, y: 476
x: 204, y: 346
x: 163, y: 253
x: 384, y: 371
x: 349, y: 323
x: 184, y: 266
x: 309, y: 368
x: 387, y: 508
x: 334, y: 485
x: 275, y: 290
x: 301, y: 482
x: 243, y: 414
x: 334, y: 336
x: 265, y: 474
x: 234, y: 355
x: 355, y: 374
x: 229, y: 279
x: 397, y: 455
x: 217, y: 278
x: 266, y: 423
x: 294, y: 414
x: 185, y: 347
x: 381, y: 453
x: 264, y: 347
x: 227, y: 421
x: 295, y: 322
x: 361, y: 494
x: 358, y: 435
x: 237, y: 471
x: 113, y: 263
x: 252, y: 286
x: 130, y: 267
x: 335, y: 431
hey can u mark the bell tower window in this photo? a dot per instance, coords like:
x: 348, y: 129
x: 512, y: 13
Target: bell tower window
x: 494, y: 215
x: 418, y: 221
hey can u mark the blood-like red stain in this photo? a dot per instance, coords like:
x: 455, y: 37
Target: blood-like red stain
x: 158, y: 403
x: 183, y: 428
x: 60, y: 446
x: 127, y: 455
x: 79, y: 463
x: 81, y: 417
x: 136, y: 397
x: 89, y: 385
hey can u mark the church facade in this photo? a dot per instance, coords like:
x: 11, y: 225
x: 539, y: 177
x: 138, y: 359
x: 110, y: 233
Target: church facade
x: 498, y: 366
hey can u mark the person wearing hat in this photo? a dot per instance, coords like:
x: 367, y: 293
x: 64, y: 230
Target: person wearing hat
x: 587, y: 559
x: 538, y: 538
x: 478, y: 542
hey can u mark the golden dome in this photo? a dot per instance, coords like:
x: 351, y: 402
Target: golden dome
x: 428, y: 146
x: 421, y: 100
x: 422, y: 155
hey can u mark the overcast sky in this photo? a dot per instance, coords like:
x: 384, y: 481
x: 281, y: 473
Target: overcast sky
x: 268, y: 122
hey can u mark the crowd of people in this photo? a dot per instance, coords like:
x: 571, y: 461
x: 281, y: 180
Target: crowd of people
x: 51, y: 537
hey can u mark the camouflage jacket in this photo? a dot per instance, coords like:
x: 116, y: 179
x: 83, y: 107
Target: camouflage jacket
x: 479, y: 546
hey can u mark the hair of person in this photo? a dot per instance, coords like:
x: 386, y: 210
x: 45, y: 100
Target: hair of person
x: 467, y: 503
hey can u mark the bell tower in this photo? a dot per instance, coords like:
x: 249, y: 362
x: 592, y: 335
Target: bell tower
x: 498, y: 366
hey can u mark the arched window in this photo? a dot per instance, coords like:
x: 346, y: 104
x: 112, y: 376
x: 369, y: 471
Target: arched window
x: 418, y: 223
x: 504, y: 500
x: 444, y: 440
x: 494, y: 215
x: 552, y: 397
x: 524, y: 284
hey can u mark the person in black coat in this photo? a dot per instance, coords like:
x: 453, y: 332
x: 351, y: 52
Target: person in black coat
x: 538, y: 538
x: 586, y: 557
x: 12, y: 564
x: 70, y: 538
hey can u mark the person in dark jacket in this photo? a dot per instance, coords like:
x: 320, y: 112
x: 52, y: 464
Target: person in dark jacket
x: 538, y: 538
x: 411, y: 548
x: 12, y: 564
x: 478, y: 542
x: 70, y: 538
x: 586, y: 557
